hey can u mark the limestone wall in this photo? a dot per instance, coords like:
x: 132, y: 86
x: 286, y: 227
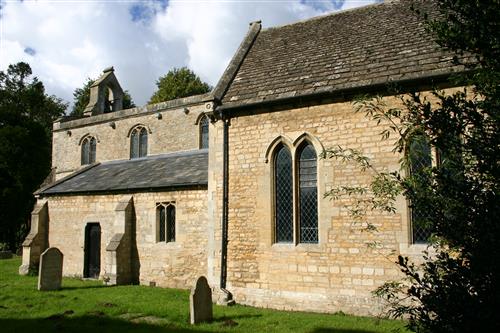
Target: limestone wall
x: 175, y: 264
x: 341, y: 271
x: 170, y: 130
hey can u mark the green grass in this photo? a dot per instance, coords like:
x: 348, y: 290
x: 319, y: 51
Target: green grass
x: 88, y: 306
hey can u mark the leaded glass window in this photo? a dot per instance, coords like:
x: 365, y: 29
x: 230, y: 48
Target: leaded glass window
x: 138, y: 142
x: 204, y: 133
x: 161, y: 227
x: 88, y: 150
x: 283, y: 183
x: 166, y: 222
x: 308, y: 195
x: 170, y: 223
x: 143, y: 140
x: 420, y: 160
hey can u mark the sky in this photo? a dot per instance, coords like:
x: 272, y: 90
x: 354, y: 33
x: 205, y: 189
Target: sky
x: 67, y: 41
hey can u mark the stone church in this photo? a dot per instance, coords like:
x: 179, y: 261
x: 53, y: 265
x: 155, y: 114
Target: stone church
x: 230, y: 184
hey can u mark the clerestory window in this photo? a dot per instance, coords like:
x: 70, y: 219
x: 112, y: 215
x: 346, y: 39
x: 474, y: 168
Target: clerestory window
x: 139, y: 142
x: 204, y: 132
x: 165, y: 219
x: 301, y: 178
x: 88, y: 150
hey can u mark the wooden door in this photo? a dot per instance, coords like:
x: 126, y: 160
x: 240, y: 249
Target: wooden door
x: 92, y: 265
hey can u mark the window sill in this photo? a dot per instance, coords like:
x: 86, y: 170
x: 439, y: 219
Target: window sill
x: 416, y: 249
x: 167, y: 244
x: 291, y: 247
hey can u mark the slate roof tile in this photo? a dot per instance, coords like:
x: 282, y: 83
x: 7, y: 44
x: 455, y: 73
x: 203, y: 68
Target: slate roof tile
x: 179, y: 169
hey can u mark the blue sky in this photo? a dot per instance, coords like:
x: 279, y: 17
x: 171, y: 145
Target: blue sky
x: 67, y: 41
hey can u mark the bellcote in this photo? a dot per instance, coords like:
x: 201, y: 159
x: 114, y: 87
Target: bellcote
x: 106, y: 95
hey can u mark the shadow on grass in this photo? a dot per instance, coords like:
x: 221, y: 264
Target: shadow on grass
x: 84, y: 287
x: 226, y: 318
x: 339, y: 330
x: 86, y: 324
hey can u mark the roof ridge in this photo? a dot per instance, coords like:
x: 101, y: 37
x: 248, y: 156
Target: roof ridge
x: 337, y: 12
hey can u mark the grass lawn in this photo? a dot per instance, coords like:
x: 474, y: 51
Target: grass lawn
x: 88, y: 306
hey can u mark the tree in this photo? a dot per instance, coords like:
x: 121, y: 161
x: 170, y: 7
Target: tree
x: 178, y: 83
x: 457, y: 288
x: 26, y: 116
x: 81, y: 98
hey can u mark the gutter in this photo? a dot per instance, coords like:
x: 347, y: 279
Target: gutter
x: 225, y: 205
x: 217, y: 94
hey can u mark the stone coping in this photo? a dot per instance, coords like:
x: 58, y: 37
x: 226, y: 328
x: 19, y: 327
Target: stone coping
x: 66, y: 123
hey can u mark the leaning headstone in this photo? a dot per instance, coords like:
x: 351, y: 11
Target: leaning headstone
x: 200, y: 302
x: 50, y: 272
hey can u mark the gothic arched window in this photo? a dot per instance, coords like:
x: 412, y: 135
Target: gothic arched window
x: 420, y: 161
x: 88, y: 150
x: 283, y: 187
x: 204, y: 132
x: 139, y: 142
x: 308, y: 194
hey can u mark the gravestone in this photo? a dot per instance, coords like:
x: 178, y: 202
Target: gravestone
x: 50, y: 272
x: 200, y: 302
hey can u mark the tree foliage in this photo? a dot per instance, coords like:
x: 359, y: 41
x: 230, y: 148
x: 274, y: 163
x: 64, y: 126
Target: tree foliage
x: 457, y: 288
x: 81, y: 98
x: 26, y: 116
x: 178, y: 83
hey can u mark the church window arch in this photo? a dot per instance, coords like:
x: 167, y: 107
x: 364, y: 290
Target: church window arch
x: 419, y: 156
x: 138, y: 142
x: 307, y: 193
x: 283, y: 195
x: 295, y: 192
x: 88, y: 150
x: 203, y: 128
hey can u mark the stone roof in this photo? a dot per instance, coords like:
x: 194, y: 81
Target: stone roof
x: 351, y: 49
x: 181, y: 169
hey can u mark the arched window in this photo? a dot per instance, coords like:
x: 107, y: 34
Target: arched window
x: 420, y: 161
x: 283, y: 186
x: 88, y: 150
x: 308, y: 194
x: 139, y: 142
x: 204, y: 132
x: 166, y: 222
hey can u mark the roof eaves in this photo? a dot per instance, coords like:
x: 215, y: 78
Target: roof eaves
x: 173, y: 186
x: 429, y: 81
x: 235, y: 63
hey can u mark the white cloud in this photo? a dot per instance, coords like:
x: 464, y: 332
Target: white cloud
x: 73, y: 40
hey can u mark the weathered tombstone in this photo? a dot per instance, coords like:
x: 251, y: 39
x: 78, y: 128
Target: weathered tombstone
x: 50, y: 272
x: 200, y: 302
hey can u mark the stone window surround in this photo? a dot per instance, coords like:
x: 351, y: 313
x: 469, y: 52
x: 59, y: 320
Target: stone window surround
x: 165, y: 204
x: 406, y: 245
x: 83, y: 140
x: 294, y: 146
x: 201, y: 117
x: 138, y: 128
